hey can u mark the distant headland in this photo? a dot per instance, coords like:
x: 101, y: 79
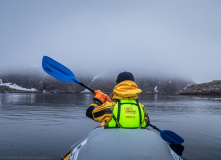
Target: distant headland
x: 209, y: 88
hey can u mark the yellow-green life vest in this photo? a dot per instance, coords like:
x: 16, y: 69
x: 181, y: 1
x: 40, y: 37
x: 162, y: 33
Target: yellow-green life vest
x: 127, y: 114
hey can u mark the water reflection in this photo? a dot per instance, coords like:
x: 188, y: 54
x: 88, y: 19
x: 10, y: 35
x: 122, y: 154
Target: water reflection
x: 181, y: 104
x: 14, y: 98
x: 45, y: 99
x: 155, y: 97
x: 48, y: 124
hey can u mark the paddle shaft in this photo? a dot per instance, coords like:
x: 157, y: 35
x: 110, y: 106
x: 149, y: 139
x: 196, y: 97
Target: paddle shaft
x: 154, y: 127
x: 83, y: 85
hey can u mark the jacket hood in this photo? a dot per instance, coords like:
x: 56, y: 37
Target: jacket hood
x: 126, y: 90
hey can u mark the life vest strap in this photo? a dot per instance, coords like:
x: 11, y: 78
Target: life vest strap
x: 117, y: 122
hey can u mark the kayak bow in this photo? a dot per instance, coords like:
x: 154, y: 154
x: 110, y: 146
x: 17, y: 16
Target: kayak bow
x: 121, y: 144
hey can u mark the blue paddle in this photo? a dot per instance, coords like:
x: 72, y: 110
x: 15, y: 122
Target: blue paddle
x: 59, y: 71
x: 169, y: 136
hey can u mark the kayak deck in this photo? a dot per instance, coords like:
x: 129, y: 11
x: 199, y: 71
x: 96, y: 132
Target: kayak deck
x: 122, y: 144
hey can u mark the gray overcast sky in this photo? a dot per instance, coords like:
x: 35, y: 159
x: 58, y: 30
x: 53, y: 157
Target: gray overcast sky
x: 162, y: 37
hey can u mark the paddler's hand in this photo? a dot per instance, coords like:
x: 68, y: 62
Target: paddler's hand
x: 101, y: 96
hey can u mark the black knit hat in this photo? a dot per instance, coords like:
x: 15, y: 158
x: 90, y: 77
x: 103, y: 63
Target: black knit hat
x: 123, y: 76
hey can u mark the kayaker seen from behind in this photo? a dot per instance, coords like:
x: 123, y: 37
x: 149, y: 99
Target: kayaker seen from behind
x: 123, y: 109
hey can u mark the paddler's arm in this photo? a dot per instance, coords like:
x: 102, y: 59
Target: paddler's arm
x: 98, y: 100
x: 93, y: 105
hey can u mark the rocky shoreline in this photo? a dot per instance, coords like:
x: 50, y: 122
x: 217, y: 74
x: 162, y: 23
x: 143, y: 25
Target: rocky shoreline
x: 47, y: 84
x: 30, y: 82
x: 210, y: 88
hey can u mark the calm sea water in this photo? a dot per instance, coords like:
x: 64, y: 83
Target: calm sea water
x: 38, y: 126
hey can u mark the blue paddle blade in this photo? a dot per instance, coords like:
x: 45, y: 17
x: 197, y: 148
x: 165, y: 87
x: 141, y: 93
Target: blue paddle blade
x: 171, y: 137
x: 57, y: 70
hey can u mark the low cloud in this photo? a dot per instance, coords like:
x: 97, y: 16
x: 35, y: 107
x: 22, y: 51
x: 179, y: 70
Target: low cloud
x: 154, y: 38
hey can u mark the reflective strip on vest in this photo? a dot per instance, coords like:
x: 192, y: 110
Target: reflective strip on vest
x: 128, y: 113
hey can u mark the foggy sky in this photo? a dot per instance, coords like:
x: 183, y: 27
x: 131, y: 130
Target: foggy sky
x: 173, y: 37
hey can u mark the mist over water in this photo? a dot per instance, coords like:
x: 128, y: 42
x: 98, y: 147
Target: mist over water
x: 156, y: 38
